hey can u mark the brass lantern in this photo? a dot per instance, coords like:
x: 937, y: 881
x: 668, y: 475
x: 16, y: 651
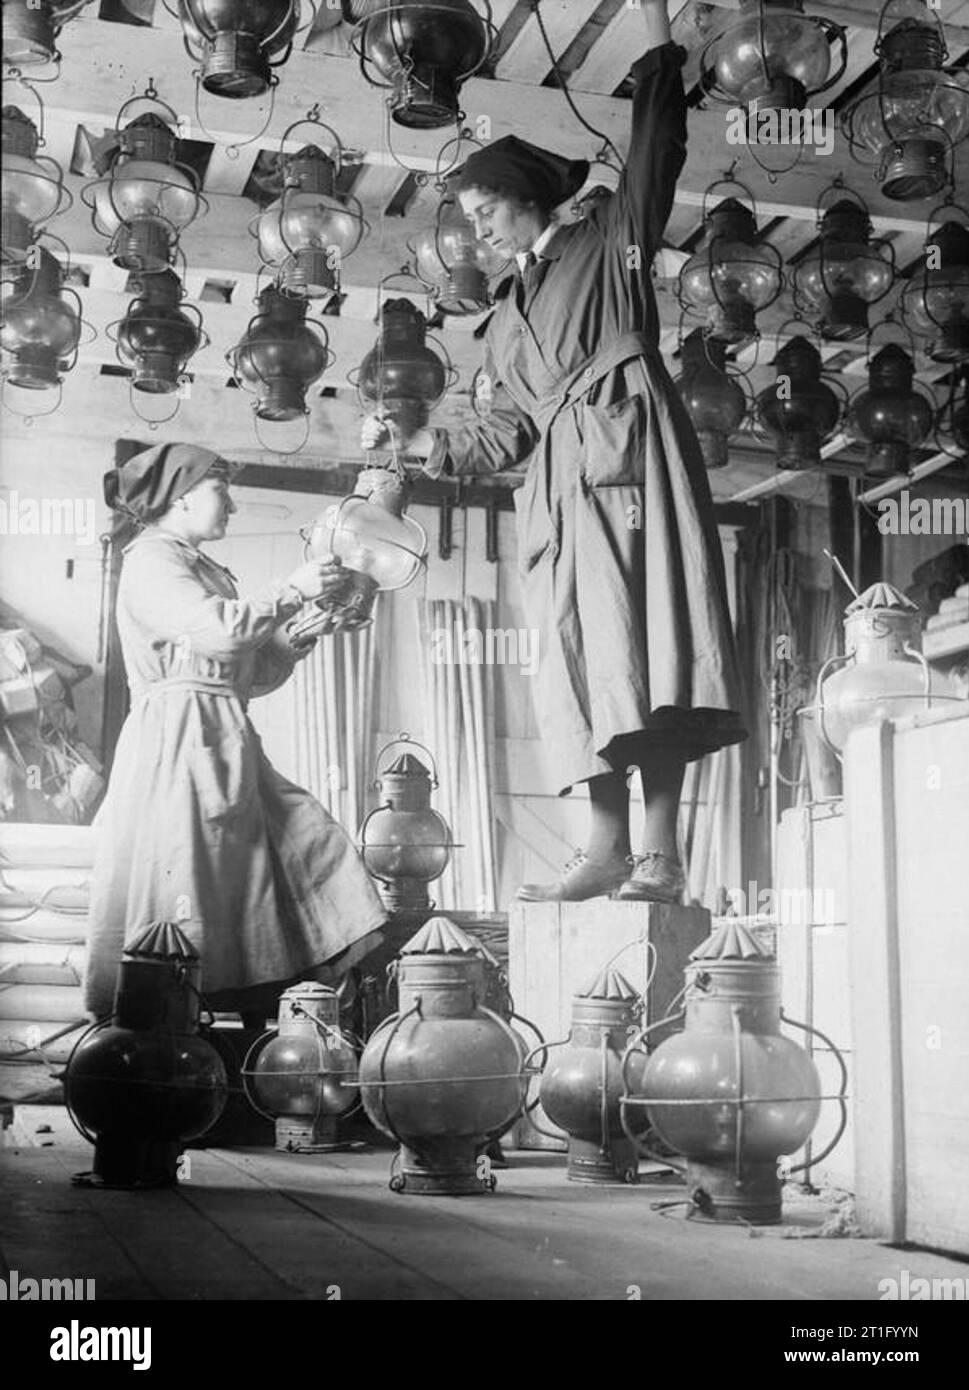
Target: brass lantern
x: 238, y: 42
x: 31, y: 28
x: 800, y: 410
x: 158, y: 334
x: 405, y: 843
x: 308, y: 231
x: 772, y: 57
x: 730, y: 277
x: 916, y: 113
x: 401, y: 377
x: 33, y: 186
x: 41, y: 324
x: 454, y: 262
x: 714, y: 398
x: 890, y: 414
x: 935, y: 302
x: 280, y: 355
x: 145, y: 199
x: 423, y: 50
x: 846, y: 271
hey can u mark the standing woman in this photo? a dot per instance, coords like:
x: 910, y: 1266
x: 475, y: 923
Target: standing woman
x: 197, y: 826
x: 622, y: 572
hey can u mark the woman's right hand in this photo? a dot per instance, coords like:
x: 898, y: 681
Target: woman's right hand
x: 375, y: 432
x: 317, y: 578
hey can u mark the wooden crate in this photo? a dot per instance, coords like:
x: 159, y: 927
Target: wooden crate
x: 556, y: 949
x: 907, y: 809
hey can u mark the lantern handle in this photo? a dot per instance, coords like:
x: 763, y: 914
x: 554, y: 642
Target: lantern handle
x: 919, y: 656
x: 101, y: 1022
x: 245, y: 1071
x: 273, y: 449
x: 404, y: 738
x: 828, y: 666
x: 728, y: 181
x: 638, y: 1142
x: 932, y: 18
x: 840, y: 1097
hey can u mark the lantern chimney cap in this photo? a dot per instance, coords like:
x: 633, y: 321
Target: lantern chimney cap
x: 407, y: 766
x: 608, y: 984
x: 162, y: 941
x: 309, y: 989
x: 731, y: 941
x: 882, y: 595
x: 441, y: 937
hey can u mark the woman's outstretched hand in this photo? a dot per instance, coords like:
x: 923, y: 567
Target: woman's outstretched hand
x: 378, y: 432
x: 317, y: 578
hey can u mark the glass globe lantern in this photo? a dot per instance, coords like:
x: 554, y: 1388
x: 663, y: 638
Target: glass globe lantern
x: 845, y: 272
x: 33, y: 186
x: 306, y: 233
x: 454, y: 262
x: 31, y: 29
x: 40, y: 326
x: 916, y: 113
x: 935, y: 302
x: 146, y: 199
x: 238, y: 42
x: 423, y: 50
x: 890, y: 414
x: 158, y: 334
x: 729, y: 278
x: 401, y: 377
x: 714, y: 399
x: 280, y: 355
x: 404, y: 842
x: 772, y: 57
x: 800, y: 410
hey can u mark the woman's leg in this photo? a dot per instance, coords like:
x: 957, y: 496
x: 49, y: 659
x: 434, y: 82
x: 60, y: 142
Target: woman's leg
x: 658, y: 874
x: 604, y: 865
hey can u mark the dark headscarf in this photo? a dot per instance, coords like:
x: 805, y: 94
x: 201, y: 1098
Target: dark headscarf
x: 147, y: 485
x: 533, y: 173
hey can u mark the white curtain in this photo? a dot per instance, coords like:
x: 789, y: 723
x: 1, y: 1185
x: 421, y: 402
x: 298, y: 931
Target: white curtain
x: 459, y: 729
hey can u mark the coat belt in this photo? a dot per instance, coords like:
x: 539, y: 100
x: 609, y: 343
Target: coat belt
x: 581, y: 379
x: 194, y: 683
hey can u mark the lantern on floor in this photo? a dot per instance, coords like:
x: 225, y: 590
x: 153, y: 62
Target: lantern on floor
x: 799, y: 411
x: 401, y: 377
x: 915, y: 114
x: 730, y: 278
x: 146, y: 198
x: 31, y: 29
x: 405, y: 843
x: 730, y: 1092
x: 33, y: 186
x: 890, y: 414
x: 883, y: 674
x: 772, y: 57
x: 280, y: 355
x: 935, y: 302
x: 308, y: 231
x: 41, y: 324
x: 714, y: 398
x: 583, y: 1081
x: 423, y: 52
x: 454, y: 262
x: 379, y: 547
x: 138, y: 1087
x: 845, y: 272
x: 158, y: 333
x: 444, y: 1076
x: 238, y: 42
x: 303, y: 1073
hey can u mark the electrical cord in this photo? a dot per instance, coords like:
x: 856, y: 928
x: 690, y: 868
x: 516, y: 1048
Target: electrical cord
x: 606, y: 142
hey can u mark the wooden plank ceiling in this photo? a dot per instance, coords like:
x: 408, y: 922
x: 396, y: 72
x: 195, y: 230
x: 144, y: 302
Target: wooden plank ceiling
x: 110, y: 52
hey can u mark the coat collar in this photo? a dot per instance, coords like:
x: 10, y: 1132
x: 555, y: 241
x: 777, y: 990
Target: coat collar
x: 193, y: 553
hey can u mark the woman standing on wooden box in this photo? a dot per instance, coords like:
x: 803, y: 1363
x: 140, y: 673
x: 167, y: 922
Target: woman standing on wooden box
x: 197, y: 826
x: 621, y: 566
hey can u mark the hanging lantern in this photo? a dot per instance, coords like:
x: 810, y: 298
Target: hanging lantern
x: 890, y: 414
x: 730, y: 1092
x: 952, y: 422
x: 800, y: 410
x: 423, y: 52
x: 401, y: 377
x: 146, y: 199
x: 454, y: 263
x: 916, y: 113
x: 715, y: 400
x: 41, y: 324
x: 280, y: 355
x: 444, y: 1076
x: 404, y: 842
x: 31, y: 29
x: 846, y: 271
x: 141, y: 1085
x: 730, y: 278
x: 582, y: 1083
x: 303, y: 1073
x: 158, y: 334
x: 33, y: 186
x: 772, y: 57
x: 935, y: 302
x: 307, y: 232
x: 238, y: 42
x: 883, y: 672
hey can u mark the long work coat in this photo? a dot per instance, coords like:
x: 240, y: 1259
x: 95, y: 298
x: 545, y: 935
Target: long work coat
x: 621, y: 566
x: 197, y: 826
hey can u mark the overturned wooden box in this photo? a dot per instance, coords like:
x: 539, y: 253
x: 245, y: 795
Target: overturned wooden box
x: 556, y: 949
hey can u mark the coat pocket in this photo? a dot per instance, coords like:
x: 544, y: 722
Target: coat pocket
x: 614, y: 443
x: 224, y: 775
x: 536, y: 531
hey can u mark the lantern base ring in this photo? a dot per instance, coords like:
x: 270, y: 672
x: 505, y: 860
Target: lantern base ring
x: 447, y: 1168
x: 589, y: 1162
x: 121, y: 1161
x: 717, y: 1192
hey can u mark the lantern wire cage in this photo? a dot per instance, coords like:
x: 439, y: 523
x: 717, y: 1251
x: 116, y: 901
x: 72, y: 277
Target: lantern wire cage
x: 392, y: 12
x: 794, y: 327
x: 951, y: 431
x: 65, y: 363
x: 328, y: 1035
x: 838, y: 191
x: 917, y: 297
x: 708, y: 73
x: 729, y: 369
x: 902, y: 338
x: 56, y: 175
